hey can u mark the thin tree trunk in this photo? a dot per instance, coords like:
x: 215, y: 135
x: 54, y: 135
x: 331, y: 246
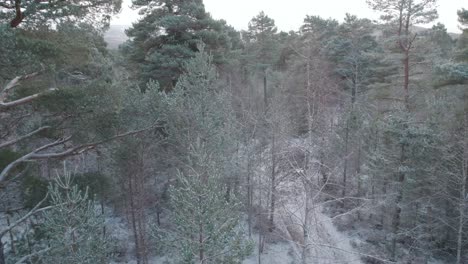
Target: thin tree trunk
x: 397, y: 210
x: 406, y: 63
x: 461, y: 219
x: 133, y: 220
x: 2, y: 254
x: 12, y: 241
x: 249, y: 194
x: 265, y: 95
x: 358, y: 176
x: 200, y: 241
x: 345, y: 166
x: 273, y: 185
x: 307, y: 224
x: 260, y: 246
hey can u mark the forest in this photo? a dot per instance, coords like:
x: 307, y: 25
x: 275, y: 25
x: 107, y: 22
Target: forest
x: 340, y: 142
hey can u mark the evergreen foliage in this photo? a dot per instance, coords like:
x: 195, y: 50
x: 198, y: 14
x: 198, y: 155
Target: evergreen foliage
x: 167, y: 37
x: 200, y: 125
x: 73, y: 226
x: 33, y: 13
x: 206, y: 224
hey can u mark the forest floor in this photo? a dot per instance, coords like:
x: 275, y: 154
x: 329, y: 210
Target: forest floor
x: 326, y: 244
x: 329, y: 245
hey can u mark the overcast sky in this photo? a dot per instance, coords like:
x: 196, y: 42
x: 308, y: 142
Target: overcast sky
x: 289, y: 14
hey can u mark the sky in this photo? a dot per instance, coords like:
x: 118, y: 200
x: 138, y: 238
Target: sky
x: 288, y: 15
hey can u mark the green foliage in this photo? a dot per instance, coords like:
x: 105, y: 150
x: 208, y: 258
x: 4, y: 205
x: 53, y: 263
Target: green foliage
x: 34, y: 189
x: 463, y: 16
x: 14, y: 58
x: 39, y: 13
x: 415, y: 11
x: 7, y: 156
x: 201, y: 129
x: 73, y: 226
x: 354, y: 50
x: 167, y: 37
x: 451, y: 73
x: 95, y: 184
x: 262, y: 45
x: 442, y: 41
x: 319, y: 27
x: 261, y: 27
x: 200, y: 209
x: 192, y: 112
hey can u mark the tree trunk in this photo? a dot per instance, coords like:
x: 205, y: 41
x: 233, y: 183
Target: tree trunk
x: 265, y: 95
x: 260, y: 246
x: 273, y: 185
x: 19, y: 17
x: 249, y: 194
x: 345, y: 166
x: 358, y: 176
x: 2, y: 255
x: 461, y: 220
x: 406, y: 63
x: 133, y: 219
x: 12, y: 241
x: 397, y: 210
x: 307, y: 224
x: 200, y: 241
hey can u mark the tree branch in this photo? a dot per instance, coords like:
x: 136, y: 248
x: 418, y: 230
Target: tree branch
x: 28, y: 257
x: 36, y: 155
x: 14, y: 141
x: 13, y: 164
x: 85, y: 147
x: 24, y: 100
x: 33, y: 211
x: 15, y: 82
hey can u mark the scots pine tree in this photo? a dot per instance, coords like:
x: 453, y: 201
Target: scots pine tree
x: 263, y: 48
x: 167, y: 36
x: 206, y: 224
x: 205, y: 216
x: 74, y: 226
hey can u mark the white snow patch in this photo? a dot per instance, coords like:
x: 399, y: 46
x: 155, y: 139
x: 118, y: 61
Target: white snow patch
x: 279, y: 253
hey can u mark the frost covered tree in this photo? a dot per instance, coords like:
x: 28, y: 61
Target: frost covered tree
x: 206, y: 225
x: 70, y: 229
x: 74, y: 225
x: 205, y: 212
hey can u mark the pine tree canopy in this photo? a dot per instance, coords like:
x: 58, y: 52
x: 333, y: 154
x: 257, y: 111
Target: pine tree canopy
x: 168, y: 35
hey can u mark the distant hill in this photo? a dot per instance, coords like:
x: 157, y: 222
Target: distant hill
x: 115, y: 36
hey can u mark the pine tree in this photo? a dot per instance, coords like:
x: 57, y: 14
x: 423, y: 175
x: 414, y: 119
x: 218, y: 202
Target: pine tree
x: 205, y: 210
x: 263, y: 47
x: 73, y: 227
x: 167, y: 37
x: 206, y: 224
x: 354, y: 50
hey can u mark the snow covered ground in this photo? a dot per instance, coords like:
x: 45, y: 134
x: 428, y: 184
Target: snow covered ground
x: 327, y: 244
x: 279, y: 253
